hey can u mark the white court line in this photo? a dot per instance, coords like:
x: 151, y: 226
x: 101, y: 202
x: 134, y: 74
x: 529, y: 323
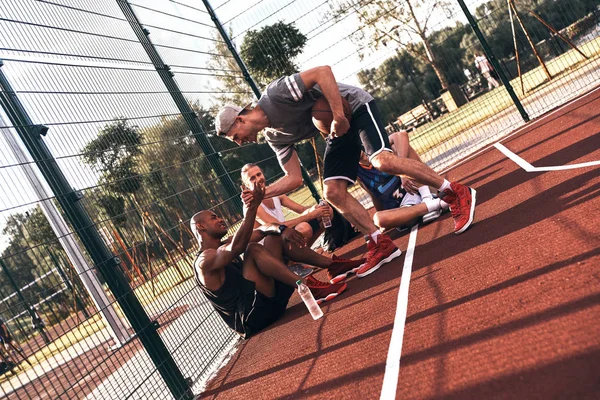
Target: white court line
x: 392, y: 365
x: 519, y: 130
x: 530, y: 168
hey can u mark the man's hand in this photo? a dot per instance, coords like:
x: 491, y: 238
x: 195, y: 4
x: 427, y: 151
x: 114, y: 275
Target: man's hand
x: 409, y: 185
x: 253, y: 198
x: 318, y: 211
x: 293, y: 237
x: 339, y: 126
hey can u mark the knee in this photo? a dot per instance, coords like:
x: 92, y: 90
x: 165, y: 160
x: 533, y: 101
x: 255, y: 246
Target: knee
x: 379, y: 220
x: 380, y: 160
x: 305, y: 229
x: 253, y: 249
x: 335, y: 192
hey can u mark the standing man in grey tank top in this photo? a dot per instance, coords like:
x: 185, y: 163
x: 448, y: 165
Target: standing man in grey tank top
x: 283, y: 114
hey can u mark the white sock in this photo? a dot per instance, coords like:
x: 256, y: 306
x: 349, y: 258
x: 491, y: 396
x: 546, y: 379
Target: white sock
x: 374, y: 235
x: 445, y: 185
x: 425, y: 192
x: 444, y: 205
x: 432, y: 204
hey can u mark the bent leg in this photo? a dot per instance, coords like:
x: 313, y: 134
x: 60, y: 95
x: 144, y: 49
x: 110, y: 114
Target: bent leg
x: 389, y: 219
x: 305, y: 229
x: 394, y: 165
x: 303, y: 255
x: 261, y: 267
x: 336, y: 193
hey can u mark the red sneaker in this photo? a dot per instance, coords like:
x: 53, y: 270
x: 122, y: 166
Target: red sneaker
x: 383, y: 252
x: 323, y: 291
x: 462, y: 206
x: 339, y: 269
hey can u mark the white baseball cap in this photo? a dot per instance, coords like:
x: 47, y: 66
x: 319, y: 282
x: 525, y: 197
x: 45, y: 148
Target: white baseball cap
x: 226, y: 117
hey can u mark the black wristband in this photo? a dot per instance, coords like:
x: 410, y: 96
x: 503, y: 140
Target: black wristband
x: 272, y: 229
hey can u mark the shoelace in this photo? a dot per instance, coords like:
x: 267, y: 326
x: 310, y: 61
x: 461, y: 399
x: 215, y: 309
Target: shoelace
x: 372, y: 252
x: 455, y: 209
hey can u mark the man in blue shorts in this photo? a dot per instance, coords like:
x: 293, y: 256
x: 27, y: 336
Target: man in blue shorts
x: 284, y: 115
x: 399, y: 201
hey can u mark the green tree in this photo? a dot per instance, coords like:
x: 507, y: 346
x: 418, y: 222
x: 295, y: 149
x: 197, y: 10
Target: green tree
x: 113, y: 153
x: 270, y: 51
x: 233, y: 87
x: 402, y: 23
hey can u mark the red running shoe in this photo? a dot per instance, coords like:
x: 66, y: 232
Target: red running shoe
x: 323, y: 291
x: 339, y: 269
x: 462, y: 205
x: 383, y: 252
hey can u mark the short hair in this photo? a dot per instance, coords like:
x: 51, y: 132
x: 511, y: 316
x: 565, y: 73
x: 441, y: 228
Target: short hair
x: 193, y: 221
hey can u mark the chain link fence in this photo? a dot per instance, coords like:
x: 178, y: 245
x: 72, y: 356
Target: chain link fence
x: 107, y: 149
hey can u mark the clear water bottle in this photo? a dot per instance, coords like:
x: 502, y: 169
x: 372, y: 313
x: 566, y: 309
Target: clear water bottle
x: 326, y: 220
x: 309, y: 300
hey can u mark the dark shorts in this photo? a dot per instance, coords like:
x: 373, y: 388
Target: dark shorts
x: 242, y: 307
x: 367, y: 133
x: 261, y: 311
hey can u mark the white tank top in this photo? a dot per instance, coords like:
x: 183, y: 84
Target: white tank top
x: 276, y: 212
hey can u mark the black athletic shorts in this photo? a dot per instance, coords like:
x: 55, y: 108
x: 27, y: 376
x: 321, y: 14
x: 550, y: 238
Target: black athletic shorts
x: 242, y: 307
x: 366, y: 132
x: 261, y: 311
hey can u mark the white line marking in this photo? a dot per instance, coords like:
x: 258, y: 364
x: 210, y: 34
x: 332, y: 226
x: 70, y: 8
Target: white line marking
x: 518, y: 160
x: 392, y: 365
x: 519, y: 130
x: 530, y: 168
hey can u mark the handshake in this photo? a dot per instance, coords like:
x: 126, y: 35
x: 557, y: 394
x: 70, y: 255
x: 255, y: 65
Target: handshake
x: 252, y: 197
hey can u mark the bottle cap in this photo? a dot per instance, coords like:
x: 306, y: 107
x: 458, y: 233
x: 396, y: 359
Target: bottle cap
x: 299, y: 282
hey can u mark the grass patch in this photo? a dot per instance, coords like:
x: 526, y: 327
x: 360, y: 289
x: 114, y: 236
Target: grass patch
x: 483, y: 107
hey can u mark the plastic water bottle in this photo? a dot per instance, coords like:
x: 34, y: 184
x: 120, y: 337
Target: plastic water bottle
x: 309, y: 300
x: 326, y: 220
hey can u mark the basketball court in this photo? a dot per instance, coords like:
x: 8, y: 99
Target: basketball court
x: 506, y: 310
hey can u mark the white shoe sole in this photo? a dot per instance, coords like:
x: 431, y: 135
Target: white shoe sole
x: 342, y: 277
x: 431, y: 216
x: 389, y: 258
x: 471, y: 212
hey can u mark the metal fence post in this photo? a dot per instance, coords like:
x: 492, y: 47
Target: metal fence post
x: 492, y: 58
x: 190, y: 117
x: 69, y: 199
x: 307, y: 181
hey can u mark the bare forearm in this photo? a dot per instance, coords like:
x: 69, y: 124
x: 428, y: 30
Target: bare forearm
x: 283, y: 186
x: 329, y: 87
x: 242, y: 236
x: 295, y: 221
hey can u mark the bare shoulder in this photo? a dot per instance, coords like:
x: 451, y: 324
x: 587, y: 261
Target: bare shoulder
x: 205, y: 257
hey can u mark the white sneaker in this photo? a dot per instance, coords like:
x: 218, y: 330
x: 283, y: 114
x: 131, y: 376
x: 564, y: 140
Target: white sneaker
x: 432, y: 216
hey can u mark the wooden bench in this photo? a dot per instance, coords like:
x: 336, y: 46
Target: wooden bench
x: 415, y: 117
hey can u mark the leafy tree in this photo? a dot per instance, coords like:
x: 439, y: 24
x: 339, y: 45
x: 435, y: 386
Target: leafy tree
x: 114, y: 206
x: 113, y: 153
x: 270, y: 51
x: 26, y: 258
x: 399, y: 22
x: 234, y: 88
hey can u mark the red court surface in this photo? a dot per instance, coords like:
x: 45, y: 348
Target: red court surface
x: 510, y: 309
